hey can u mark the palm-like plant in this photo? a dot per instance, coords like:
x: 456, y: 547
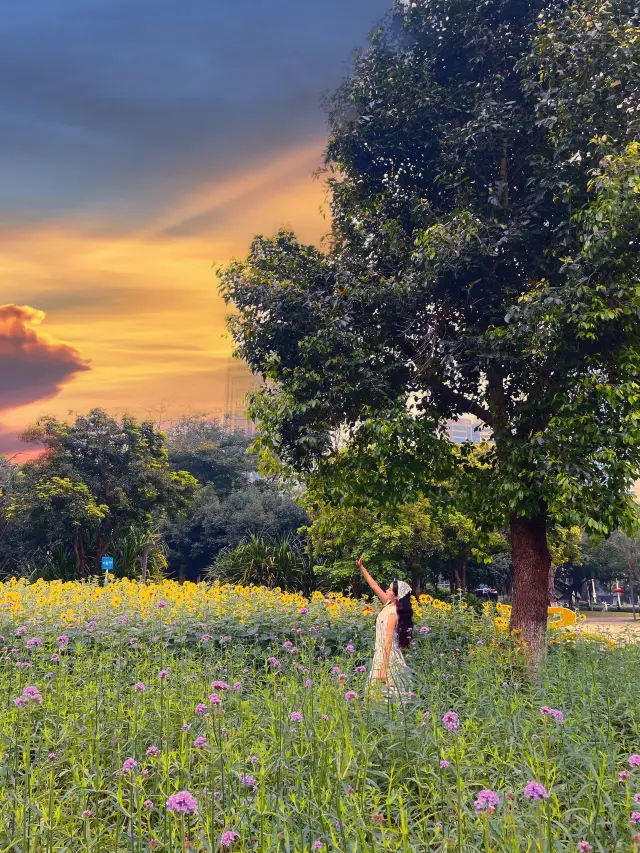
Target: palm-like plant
x: 265, y: 561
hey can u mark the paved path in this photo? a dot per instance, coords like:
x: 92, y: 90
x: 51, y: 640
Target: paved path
x: 613, y: 624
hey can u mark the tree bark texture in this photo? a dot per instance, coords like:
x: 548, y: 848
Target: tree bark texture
x: 531, y: 568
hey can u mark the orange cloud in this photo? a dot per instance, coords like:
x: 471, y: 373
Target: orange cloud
x: 35, y: 365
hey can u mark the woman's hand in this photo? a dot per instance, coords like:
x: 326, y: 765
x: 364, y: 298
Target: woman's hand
x: 360, y: 563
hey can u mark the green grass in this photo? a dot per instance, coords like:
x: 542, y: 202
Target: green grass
x: 367, y: 777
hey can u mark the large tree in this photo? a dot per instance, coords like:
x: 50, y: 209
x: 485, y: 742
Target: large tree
x: 97, y: 481
x: 484, y: 171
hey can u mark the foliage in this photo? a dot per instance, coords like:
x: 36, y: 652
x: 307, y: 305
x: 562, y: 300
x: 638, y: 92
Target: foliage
x: 482, y: 171
x: 230, y: 504
x: 96, y: 481
x: 213, y: 524
x: 93, y: 765
x: 210, y: 453
x: 265, y: 561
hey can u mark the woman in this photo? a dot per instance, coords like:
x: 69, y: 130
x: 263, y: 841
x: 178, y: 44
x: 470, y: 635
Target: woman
x: 394, y: 629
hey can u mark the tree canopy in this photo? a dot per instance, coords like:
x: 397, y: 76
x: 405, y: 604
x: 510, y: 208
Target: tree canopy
x: 484, y: 174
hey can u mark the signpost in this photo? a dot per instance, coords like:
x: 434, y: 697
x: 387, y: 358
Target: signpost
x: 107, y: 566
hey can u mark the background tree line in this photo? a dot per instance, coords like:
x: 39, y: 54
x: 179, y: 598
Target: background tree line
x: 188, y: 503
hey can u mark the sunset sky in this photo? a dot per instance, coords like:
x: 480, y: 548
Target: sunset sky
x: 143, y: 142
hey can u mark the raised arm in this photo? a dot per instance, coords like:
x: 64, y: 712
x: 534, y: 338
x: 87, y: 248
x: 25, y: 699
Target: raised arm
x: 382, y: 595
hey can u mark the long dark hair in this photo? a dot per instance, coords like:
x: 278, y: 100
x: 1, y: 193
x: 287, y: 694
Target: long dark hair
x: 404, y: 625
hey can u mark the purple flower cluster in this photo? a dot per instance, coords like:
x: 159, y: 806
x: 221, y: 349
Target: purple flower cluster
x: 487, y: 801
x: 227, y: 838
x: 182, y: 803
x: 451, y: 721
x: 29, y: 694
x: 558, y: 716
x: 535, y: 791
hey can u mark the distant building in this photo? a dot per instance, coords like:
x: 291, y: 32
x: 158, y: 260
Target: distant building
x: 468, y: 428
x: 239, y: 382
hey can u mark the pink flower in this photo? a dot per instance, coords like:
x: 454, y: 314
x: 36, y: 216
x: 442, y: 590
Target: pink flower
x: 558, y: 716
x: 200, y: 742
x: 634, y: 760
x: 451, y: 721
x: 425, y: 629
x: 335, y: 670
x: 29, y: 694
x: 205, y: 638
x: 129, y: 765
x: 182, y: 803
x: 215, y: 699
x: 318, y: 845
x: 162, y: 604
x: 342, y: 677
x: 308, y: 682
x: 237, y: 686
x: 227, y: 838
x: 34, y: 643
x: 186, y: 727
x: 349, y: 649
x: 219, y: 685
x: 52, y: 756
x: 287, y: 644
x: 62, y: 641
x: 86, y: 814
x: 274, y: 662
x: 487, y: 800
x: 247, y: 781
x: 55, y: 658
x: 636, y: 799
x: 163, y: 674
x: 200, y: 708
x: 148, y: 804
x: 153, y: 752
x: 635, y: 818
x: 296, y: 717
x: 133, y: 641
x: 535, y: 791
x: 379, y: 818
x: 21, y: 630
x: 139, y: 687
x: 361, y: 669
x: 444, y: 764
x: 304, y: 610
x: 325, y: 717
x: 584, y: 847
x: 350, y: 694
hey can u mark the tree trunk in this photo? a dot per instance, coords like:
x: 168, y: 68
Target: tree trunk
x: 552, y: 585
x: 531, y: 569
x: 458, y: 573
x: 78, y: 549
x: 416, y: 579
x: 145, y: 560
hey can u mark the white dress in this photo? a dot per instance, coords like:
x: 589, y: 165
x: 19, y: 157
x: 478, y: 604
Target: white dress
x: 398, y: 673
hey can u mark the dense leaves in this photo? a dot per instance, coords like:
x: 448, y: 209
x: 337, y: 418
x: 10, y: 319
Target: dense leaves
x: 483, y: 176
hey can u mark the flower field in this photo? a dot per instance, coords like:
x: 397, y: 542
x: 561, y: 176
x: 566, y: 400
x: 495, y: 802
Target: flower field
x: 172, y: 718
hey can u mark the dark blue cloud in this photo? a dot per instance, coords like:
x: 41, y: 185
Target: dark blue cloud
x: 113, y: 105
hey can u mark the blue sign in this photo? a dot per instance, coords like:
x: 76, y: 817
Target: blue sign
x: 107, y: 564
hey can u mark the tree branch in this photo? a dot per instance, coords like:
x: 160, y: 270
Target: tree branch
x: 463, y: 403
